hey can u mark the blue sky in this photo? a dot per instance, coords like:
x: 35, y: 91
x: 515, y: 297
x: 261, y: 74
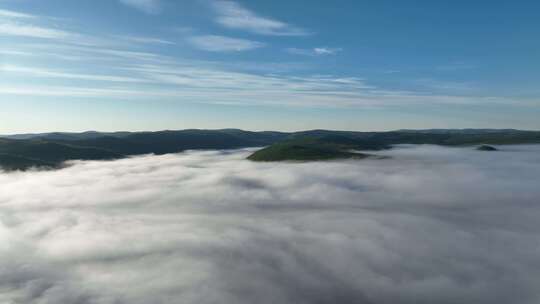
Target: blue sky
x: 268, y: 65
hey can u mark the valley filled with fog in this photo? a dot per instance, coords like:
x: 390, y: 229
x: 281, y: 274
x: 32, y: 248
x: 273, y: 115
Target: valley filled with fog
x: 430, y: 224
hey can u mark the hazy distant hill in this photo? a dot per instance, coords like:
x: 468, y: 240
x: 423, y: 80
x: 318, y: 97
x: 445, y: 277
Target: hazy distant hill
x: 39, y: 152
x: 459, y: 131
x: 65, y: 135
x: 322, y: 144
x: 52, y: 149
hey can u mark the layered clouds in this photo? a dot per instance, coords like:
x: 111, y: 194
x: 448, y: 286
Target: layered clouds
x: 429, y: 225
x: 73, y: 59
x: 18, y: 24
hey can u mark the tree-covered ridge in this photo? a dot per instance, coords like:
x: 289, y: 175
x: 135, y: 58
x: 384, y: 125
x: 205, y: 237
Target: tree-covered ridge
x: 52, y: 149
x: 324, y: 145
x: 21, y: 152
x: 302, y: 152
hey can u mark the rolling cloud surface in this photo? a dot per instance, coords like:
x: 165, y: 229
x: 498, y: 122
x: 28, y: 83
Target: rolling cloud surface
x: 429, y: 225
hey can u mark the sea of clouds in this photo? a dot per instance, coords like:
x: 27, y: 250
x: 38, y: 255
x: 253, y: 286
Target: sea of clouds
x: 429, y: 225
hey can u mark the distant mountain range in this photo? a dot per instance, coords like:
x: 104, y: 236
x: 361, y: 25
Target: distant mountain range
x: 122, y: 134
x: 66, y: 135
x: 459, y: 131
x: 20, y: 152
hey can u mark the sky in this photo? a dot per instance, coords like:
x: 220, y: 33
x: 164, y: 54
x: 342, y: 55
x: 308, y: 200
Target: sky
x: 111, y: 65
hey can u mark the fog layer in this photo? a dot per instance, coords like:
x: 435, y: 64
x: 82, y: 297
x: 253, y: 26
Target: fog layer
x: 429, y: 225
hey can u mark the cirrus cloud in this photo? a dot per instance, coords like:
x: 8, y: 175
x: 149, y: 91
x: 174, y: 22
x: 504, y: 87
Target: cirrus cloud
x: 233, y: 15
x: 215, y: 43
x: 14, y: 15
x: 318, y: 51
x: 27, y: 30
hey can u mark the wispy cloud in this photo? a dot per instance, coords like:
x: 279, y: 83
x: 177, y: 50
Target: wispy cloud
x: 40, y: 72
x: 326, y: 50
x: 13, y: 14
x: 137, y: 72
x: 145, y: 40
x: 16, y: 53
x: 318, y: 51
x: 14, y: 23
x: 97, y: 55
x: 214, y: 43
x: 147, y: 6
x: 189, y: 83
x: 25, y: 30
x: 233, y: 15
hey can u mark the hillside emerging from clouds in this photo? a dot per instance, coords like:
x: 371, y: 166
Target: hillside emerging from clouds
x: 20, y: 152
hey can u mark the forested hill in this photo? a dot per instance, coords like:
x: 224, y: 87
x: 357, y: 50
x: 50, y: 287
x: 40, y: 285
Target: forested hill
x: 20, y: 152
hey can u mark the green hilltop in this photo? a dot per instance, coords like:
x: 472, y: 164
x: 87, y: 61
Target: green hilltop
x: 301, y: 152
x: 302, y: 147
